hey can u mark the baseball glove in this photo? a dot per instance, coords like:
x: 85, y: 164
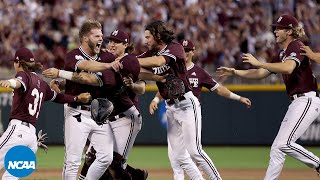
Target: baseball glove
x: 101, y: 108
x: 175, y: 86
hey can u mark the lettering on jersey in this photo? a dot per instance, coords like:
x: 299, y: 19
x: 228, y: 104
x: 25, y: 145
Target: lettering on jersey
x: 79, y: 57
x: 313, y: 132
x: 19, y: 77
x: 161, y: 69
x: 194, y: 82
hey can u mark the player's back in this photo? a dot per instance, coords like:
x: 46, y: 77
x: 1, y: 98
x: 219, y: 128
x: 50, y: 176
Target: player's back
x: 28, y: 100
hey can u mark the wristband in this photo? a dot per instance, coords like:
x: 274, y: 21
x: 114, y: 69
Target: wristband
x: 13, y: 83
x: 234, y: 96
x: 65, y: 74
x: 156, y: 99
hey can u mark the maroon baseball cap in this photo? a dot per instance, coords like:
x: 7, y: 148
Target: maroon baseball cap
x: 24, y: 54
x: 187, y: 44
x: 119, y: 35
x: 286, y: 21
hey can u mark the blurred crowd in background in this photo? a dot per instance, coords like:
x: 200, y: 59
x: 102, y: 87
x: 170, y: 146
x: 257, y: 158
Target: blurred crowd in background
x: 221, y: 29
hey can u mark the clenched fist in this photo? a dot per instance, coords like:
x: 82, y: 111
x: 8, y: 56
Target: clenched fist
x: 84, y: 98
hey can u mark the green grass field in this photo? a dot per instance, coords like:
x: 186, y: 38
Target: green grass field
x: 155, y: 157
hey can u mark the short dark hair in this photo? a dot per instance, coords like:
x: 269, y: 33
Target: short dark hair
x: 87, y: 26
x: 160, y: 32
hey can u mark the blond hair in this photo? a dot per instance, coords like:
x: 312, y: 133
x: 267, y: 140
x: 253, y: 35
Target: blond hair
x: 87, y: 27
x: 298, y: 32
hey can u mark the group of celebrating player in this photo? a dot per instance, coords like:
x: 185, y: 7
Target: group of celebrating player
x: 116, y: 74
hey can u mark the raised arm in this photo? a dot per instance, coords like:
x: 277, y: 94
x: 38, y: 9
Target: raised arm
x: 94, y: 66
x: 249, y: 74
x: 310, y: 54
x: 150, y: 76
x: 285, y: 67
x: 154, y: 61
x: 10, y: 83
x: 82, y: 77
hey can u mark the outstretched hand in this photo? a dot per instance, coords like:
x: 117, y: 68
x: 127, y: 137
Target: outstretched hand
x: 245, y: 101
x: 51, y: 73
x: 225, y: 71
x: 249, y: 58
x: 41, y: 141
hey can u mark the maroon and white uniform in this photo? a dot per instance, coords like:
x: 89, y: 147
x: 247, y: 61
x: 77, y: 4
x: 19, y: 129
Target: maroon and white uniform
x: 184, y: 117
x: 26, y: 106
x: 301, y: 87
x: 79, y: 126
x: 125, y: 120
x: 199, y: 78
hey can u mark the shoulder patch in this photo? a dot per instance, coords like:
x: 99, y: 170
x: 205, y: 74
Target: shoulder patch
x: 79, y: 57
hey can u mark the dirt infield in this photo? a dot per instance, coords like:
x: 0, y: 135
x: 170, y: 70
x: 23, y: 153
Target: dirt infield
x: 227, y: 174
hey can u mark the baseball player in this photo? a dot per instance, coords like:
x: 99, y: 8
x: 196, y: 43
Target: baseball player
x: 78, y: 123
x: 30, y: 91
x: 166, y: 57
x: 301, y: 87
x: 198, y: 78
x: 119, y: 46
x: 310, y: 54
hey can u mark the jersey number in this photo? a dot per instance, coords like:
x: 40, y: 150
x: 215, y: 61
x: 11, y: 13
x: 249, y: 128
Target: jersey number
x: 35, y: 107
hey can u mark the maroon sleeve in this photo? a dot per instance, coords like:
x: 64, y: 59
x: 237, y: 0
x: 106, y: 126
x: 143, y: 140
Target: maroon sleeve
x: 145, y: 54
x: 107, y: 57
x: 173, y: 52
x: 131, y: 67
x: 24, y: 79
x: 64, y: 98
x: 208, y: 81
x: 293, y: 52
x: 58, y: 97
x: 72, y: 60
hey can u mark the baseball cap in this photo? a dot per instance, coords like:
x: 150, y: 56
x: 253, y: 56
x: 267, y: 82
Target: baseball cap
x: 187, y: 44
x: 24, y: 54
x: 119, y: 35
x: 286, y: 21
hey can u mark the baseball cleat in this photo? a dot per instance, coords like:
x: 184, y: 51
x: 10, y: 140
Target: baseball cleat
x: 317, y: 169
x: 145, y: 174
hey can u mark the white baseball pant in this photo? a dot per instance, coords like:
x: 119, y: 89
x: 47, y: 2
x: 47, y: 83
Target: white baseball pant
x: 301, y: 113
x: 78, y: 128
x: 16, y: 134
x: 184, y: 133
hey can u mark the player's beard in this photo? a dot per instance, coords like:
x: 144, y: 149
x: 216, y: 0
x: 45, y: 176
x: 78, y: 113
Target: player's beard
x: 154, y: 48
x: 93, y: 47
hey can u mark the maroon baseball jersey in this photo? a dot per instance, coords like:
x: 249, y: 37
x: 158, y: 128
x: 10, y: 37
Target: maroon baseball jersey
x: 73, y: 58
x: 28, y: 100
x: 175, y: 64
x: 199, y: 78
x: 301, y: 80
x: 114, y: 89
